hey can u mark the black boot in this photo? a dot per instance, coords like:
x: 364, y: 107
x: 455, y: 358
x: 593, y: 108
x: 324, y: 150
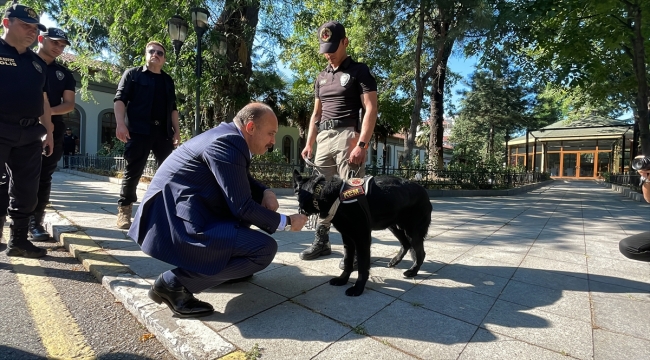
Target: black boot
x: 19, y: 245
x: 321, y: 245
x: 36, y: 230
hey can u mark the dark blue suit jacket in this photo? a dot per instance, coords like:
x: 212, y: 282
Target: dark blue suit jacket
x: 199, y: 198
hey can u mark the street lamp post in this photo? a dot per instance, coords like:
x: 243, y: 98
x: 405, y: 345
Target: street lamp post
x: 177, y: 28
x: 200, y: 21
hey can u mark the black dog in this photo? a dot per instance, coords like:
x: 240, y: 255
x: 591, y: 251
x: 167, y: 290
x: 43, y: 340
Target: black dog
x: 390, y: 202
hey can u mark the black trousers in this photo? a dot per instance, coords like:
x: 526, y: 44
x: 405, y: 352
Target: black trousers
x: 136, y: 152
x: 66, y: 157
x: 48, y: 166
x: 21, y: 151
x: 636, y: 247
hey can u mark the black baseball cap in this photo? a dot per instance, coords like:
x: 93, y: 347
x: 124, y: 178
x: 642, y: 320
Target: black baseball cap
x: 24, y: 14
x: 56, y: 34
x: 68, y: 129
x: 330, y: 35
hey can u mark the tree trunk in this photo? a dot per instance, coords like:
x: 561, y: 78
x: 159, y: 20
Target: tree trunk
x: 409, y: 140
x: 436, y: 156
x: 238, y: 20
x: 641, y: 79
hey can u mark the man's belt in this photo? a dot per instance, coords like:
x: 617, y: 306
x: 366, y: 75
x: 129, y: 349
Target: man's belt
x: 333, y: 124
x: 25, y: 122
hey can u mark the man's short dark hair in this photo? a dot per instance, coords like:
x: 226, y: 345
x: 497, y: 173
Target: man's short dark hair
x: 251, y: 112
x: 155, y: 43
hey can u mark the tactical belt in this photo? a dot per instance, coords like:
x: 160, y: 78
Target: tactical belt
x: 333, y: 124
x: 25, y: 122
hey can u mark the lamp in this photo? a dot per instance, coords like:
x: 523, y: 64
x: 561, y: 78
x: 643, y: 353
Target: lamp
x: 177, y: 28
x: 200, y: 21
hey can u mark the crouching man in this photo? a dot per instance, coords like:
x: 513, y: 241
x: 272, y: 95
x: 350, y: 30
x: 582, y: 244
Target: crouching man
x: 198, y: 209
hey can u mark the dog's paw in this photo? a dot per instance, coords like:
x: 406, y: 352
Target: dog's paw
x: 354, y: 291
x: 411, y: 273
x: 339, y: 281
x: 394, y: 261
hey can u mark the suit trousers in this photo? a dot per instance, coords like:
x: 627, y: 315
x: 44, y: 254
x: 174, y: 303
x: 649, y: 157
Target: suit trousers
x: 253, y: 251
x: 136, y: 152
x: 48, y: 166
x: 636, y: 247
x: 21, y: 149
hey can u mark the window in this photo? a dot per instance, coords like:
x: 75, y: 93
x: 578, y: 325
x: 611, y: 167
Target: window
x: 109, y: 124
x: 287, y: 148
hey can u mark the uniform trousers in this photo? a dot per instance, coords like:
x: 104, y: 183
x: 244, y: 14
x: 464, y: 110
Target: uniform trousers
x: 48, y: 165
x: 253, y: 251
x: 332, y: 152
x: 636, y: 247
x: 136, y: 152
x: 21, y: 150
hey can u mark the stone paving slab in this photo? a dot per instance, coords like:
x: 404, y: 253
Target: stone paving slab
x: 532, y: 276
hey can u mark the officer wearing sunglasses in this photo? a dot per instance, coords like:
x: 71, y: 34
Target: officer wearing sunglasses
x: 147, y: 120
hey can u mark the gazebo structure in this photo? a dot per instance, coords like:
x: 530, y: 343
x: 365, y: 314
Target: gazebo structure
x: 583, y: 149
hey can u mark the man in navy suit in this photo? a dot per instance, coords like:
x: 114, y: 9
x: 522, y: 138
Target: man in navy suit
x: 197, y: 212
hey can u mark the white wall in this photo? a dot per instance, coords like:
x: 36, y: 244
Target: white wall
x: 90, y: 118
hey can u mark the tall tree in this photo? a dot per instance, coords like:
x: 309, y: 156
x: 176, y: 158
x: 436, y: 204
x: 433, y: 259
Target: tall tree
x: 596, y: 45
x: 120, y: 29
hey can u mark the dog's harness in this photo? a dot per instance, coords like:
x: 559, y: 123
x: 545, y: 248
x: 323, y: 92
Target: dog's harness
x: 352, y: 190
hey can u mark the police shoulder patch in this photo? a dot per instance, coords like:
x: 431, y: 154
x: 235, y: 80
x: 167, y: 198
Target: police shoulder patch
x: 60, y: 75
x: 345, y: 78
x: 37, y: 66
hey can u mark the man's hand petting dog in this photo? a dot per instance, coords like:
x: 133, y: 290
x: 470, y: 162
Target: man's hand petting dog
x: 298, y: 221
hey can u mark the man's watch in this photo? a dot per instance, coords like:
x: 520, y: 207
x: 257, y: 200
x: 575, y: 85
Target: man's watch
x: 362, y: 144
x: 287, y: 227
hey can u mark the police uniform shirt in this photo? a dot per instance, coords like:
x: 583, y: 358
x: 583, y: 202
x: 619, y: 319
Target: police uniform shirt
x: 340, y: 90
x: 24, y: 81
x: 59, y: 79
x: 69, y: 142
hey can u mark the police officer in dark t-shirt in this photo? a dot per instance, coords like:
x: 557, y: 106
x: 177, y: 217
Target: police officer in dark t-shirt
x: 147, y: 121
x: 60, y: 94
x: 69, y: 143
x: 344, y: 90
x: 23, y: 100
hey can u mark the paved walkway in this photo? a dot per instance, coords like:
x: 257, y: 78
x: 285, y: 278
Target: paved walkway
x: 535, y: 276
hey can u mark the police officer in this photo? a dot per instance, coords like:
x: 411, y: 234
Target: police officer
x: 23, y: 100
x: 344, y: 90
x: 60, y: 94
x: 69, y: 146
x: 147, y: 121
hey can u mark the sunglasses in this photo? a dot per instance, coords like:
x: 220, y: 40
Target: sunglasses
x: 157, y: 52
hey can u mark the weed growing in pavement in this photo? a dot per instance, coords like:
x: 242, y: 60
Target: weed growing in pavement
x: 360, y: 330
x: 254, y: 353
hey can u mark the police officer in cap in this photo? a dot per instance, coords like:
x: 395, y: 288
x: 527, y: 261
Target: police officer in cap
x: 345, y: 92
x: 25, y: 124
x: 60, y: 93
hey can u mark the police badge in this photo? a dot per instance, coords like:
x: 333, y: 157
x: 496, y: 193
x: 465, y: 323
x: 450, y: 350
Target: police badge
x: 59, y: 75
x: 344, y: 79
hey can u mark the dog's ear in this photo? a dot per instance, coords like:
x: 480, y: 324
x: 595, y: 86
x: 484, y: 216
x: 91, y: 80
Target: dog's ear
x: 297, y: 179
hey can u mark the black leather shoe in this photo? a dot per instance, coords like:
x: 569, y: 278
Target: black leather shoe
x: 26, y: 250
x: 355, y: 264
x: 180, y: 301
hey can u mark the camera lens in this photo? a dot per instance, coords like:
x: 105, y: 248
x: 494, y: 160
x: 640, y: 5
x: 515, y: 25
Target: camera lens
x: 641, y: 163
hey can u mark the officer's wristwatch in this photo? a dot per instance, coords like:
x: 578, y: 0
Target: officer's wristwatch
x: 362, y: 144
x: 287, y: 227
